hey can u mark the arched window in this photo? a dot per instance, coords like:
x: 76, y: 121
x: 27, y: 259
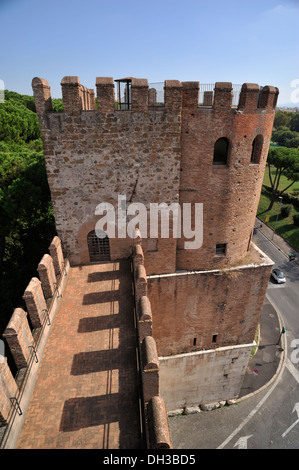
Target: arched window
x: 221, y: 149
x: 257, y: 146
x: 98, y: 248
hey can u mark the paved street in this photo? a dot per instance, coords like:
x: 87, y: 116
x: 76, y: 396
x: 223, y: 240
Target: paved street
x: 269, y: 419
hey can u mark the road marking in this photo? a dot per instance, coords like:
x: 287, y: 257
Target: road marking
x: 296, y: 408
x: 276, y: 286
x: 242, y: 442
x: 292, y: 369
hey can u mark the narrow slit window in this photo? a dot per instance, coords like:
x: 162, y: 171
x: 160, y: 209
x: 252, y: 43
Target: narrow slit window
x: 220, y: 249
x: 221, y: 149
x: 256, y: 151
x: 214, y: 339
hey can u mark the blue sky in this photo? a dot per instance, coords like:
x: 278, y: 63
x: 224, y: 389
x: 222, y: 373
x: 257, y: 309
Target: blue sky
x: 205, y: 41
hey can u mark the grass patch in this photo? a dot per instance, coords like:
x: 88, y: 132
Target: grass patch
x: 283, y: 182
x: 283, y: 226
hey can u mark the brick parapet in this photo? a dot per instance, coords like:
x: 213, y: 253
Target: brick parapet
x: 56, y: 253
x: 269, y: 96
x: 35, y: 302
x: 47, y: 276
x: 19, y: 338
x: 157, y: 427
x: 173, y: 96
x: 138, y: 256
x: 145, y: 318
x: 75, y: 96
x: 150, y: 368
x: 8, y: 390
x: 223, y: 95
x: 158, y: 424
x: 139, y: 91
x: 190, y: 95
x: 105, y: 94
x: 42, y: 95
x: 140, y: 282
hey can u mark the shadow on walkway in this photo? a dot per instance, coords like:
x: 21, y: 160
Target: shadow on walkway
x: 87, y: 392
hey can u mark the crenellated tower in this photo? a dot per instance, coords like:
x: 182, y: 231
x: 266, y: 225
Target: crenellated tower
x: 205, y: 302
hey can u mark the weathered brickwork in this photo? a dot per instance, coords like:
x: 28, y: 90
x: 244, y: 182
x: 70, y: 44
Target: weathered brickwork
x: 56, y: 253
x: 19, y: 338
x: 94, y: 156
x: 160, y: 155
x: 229, y: 193
x: 8, y: 390
x: 35, y: 302
x: 208, y: 309
x: 187, y: 300
x: 47, y: 276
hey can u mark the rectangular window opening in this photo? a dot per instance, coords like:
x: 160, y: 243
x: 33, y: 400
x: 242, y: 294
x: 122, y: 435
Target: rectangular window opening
x: 194, y: 341
x: 220, y: 249
x: 214, y: 339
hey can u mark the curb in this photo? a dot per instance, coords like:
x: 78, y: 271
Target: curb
x: 275, y: 244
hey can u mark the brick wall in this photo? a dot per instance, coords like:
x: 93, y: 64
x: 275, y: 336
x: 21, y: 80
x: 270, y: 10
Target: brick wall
x: 160, y: 155
x: 229, y: 193
x: 92, y: 156
x: 208, y: 309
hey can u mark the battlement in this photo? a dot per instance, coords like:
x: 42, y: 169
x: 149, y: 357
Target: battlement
x: 177, y: 96
x: 186, y: 146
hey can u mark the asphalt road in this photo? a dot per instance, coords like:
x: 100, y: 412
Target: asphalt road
x: 269, y: 419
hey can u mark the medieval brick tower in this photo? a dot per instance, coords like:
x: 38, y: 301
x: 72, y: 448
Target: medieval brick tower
x: 205, y: 302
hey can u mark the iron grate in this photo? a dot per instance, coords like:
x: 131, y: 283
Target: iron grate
x: 98, y: 248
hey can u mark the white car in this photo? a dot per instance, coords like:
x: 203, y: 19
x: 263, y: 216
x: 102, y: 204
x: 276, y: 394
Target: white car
x: 278, y: 275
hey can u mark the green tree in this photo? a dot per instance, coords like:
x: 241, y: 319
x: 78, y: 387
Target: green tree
x: 17, y: 123
x: 286, y: 162
x: 26, y: 215
x: 282, y: 118
x: 285, y: 137
x: 294, y: 123
x: 25, y: 100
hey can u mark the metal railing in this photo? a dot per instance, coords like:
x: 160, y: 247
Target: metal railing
x: 206, y: 94
x: 156, y: 94
x: 22, y: 375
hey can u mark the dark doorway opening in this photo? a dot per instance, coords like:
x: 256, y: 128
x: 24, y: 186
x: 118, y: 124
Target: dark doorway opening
x: 98, y: 247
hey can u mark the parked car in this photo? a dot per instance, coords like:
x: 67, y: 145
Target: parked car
x: 278, y: 275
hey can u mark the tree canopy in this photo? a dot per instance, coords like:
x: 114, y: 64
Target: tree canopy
x: 286, y: 162
x: 26, y: 215
x: 286, y: 129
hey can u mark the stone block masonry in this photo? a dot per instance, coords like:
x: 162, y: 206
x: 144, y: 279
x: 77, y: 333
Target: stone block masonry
x: 92, y: 156
x: 156, y: 155
x: 199, y: 301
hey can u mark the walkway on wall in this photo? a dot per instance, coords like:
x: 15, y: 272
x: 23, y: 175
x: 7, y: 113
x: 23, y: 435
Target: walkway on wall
x: 86, y: 393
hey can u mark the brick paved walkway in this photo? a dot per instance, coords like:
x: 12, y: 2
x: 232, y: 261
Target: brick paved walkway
x: 86, y: 393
